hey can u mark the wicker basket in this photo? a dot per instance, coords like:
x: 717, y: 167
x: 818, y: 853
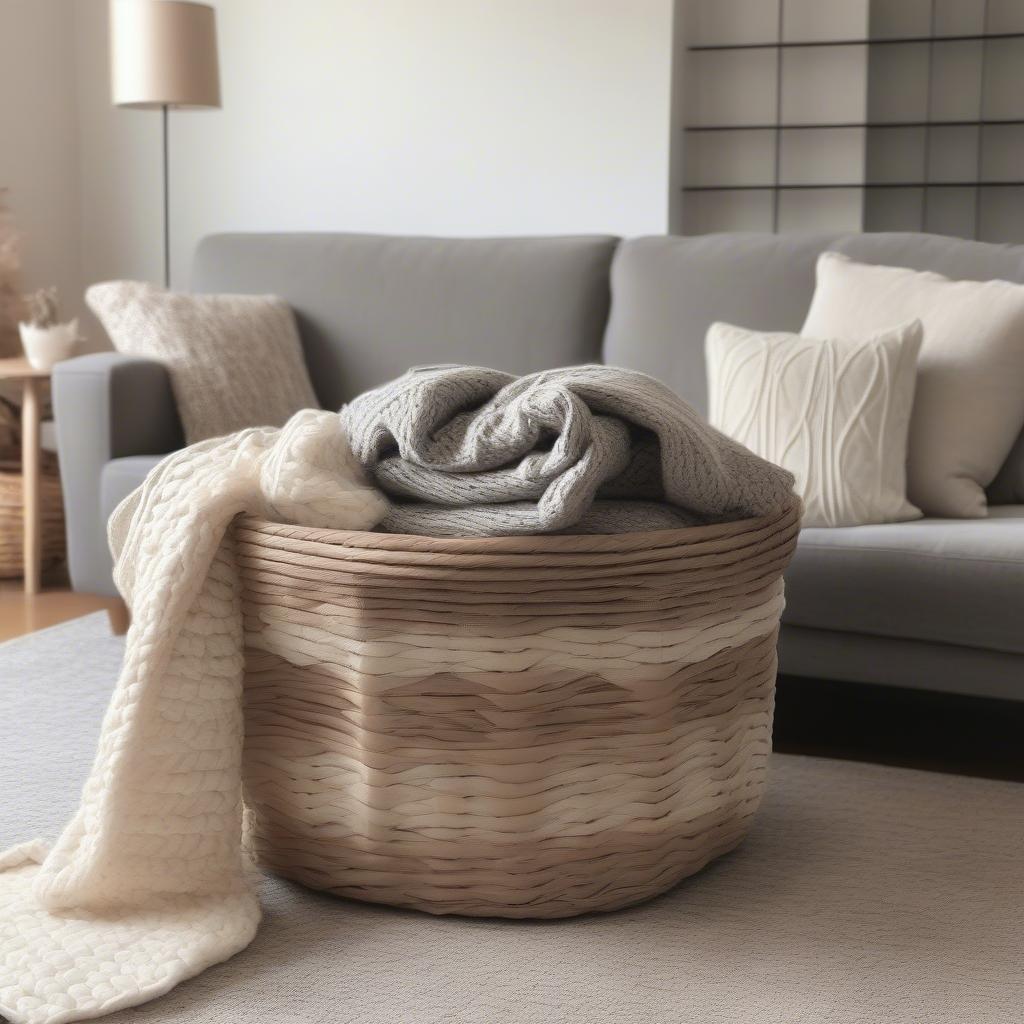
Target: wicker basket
x: 518, y: 727
x: 11, y: 519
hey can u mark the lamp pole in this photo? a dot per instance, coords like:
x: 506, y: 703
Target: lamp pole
x: 167, y: 207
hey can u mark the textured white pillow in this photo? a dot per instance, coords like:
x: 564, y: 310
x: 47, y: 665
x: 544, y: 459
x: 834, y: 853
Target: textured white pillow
x: 969, y: 405
x: 834, y: 412
x: 234, y: 360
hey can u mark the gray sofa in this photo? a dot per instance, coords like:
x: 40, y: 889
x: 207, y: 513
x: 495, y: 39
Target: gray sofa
x: 933, y: 604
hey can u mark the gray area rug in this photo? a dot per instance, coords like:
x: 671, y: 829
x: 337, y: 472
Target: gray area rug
x: 864, y: 894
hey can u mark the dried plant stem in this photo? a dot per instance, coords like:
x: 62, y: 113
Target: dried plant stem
x: 11, y: 302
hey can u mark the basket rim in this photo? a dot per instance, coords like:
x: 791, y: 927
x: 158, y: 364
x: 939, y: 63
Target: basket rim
x: 527, y: 543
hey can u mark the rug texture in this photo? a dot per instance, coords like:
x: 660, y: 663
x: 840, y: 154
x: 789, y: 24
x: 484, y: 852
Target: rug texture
x: 864, y: 895
x: 464, y: 451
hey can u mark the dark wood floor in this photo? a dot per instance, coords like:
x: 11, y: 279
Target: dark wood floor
x: 914, y: 729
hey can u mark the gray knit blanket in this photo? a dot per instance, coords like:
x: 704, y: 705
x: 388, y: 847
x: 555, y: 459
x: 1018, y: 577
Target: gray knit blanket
x: 466, y: 451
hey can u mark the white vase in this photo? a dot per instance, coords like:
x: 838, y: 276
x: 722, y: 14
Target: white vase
x: 45, y: 346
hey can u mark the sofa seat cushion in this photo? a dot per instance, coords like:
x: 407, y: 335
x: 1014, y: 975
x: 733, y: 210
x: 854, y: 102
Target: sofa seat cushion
x: 120, y: 477
x: 952, y: 581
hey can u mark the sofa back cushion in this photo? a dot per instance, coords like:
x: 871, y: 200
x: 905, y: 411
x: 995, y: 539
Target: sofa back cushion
x: 667, y: 291
x: 958, y: 258
x: 370, y: 306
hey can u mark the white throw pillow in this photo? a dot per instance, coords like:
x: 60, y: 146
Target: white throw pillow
x: 969, y: 405
x: 235, y: 361
x: 834, y: 412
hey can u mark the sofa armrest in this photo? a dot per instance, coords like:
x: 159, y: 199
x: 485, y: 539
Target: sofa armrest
x: 106, y: 406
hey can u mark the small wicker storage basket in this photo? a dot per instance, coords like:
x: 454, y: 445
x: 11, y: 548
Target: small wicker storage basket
x: 518, y: 727
x: 11, y: 519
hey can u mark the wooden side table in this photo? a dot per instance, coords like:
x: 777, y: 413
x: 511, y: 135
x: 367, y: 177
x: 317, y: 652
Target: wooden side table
x: 21, y: 371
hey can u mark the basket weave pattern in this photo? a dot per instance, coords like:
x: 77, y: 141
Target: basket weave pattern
x: 520, y: 727
x: 11, y: 520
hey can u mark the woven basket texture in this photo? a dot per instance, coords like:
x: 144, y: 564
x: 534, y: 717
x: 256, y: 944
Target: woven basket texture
x: 516, y: 727
x: 52, y: 519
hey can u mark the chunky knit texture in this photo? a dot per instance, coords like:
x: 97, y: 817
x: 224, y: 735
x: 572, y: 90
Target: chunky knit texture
x: 467, y: 451
x: 147, y: 885
x: 235, y: 361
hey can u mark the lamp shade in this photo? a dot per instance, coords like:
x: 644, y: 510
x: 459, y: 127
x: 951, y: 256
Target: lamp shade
x: 163, y: 52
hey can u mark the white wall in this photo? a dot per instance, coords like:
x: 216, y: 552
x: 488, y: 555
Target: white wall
x: 38, y: 142
x: 407, y: 116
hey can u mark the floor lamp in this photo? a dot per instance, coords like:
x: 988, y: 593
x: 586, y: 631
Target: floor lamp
x: 163, y: 54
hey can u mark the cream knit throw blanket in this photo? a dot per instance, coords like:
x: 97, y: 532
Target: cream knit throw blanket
x: 465, y: 451
x: 148, y: 885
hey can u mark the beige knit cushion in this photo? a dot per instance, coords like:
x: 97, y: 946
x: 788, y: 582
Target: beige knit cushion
x: 969, y: 404
x: 834, y: 412
x: 235, y: 360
